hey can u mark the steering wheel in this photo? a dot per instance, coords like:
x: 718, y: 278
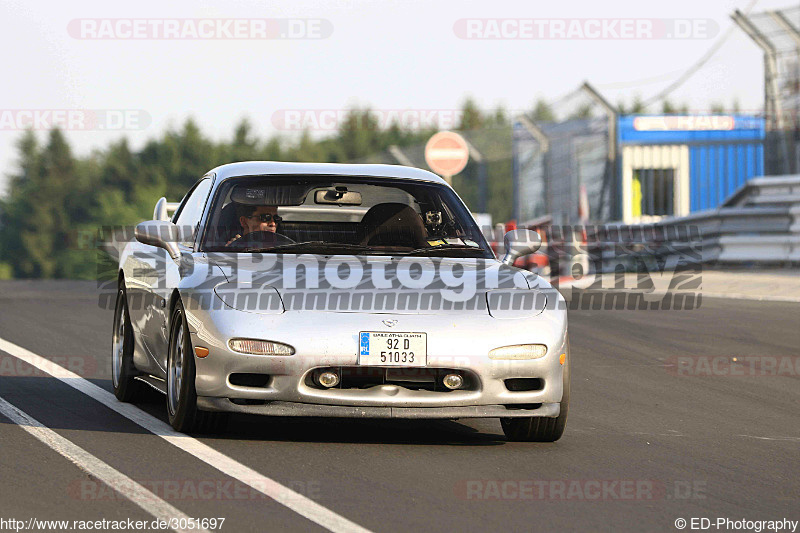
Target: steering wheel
x: 263, y: 239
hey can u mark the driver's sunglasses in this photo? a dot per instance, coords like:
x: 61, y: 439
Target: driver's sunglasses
x: 267, y: 217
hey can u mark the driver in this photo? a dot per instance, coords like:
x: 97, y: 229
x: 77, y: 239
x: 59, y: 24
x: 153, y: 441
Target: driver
x: 256, y: 218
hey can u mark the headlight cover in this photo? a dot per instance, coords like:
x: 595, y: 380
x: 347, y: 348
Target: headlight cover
x: 519, y: 352
x: 261, y: 300
x: 515, y: 303
x: 260, y: 347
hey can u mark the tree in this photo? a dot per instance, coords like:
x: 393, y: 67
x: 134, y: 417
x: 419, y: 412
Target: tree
x: 272, y: 151
x: 120, y: 169
x: 357, y: 134
x: 305, y: 150
x: 499, y: 117
x: 542, y: 112
x: 471, y: 117
x: 243, y: 147
x: 185, y: 156
x: 717, y: 108
x: 36, y: 216
x: 582, y: 112
x: 55, y: 200
x: 15, y: 208
x: 638, y: 105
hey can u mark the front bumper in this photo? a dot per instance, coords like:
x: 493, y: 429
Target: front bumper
x: 330, y: 339
x: 205, y: 403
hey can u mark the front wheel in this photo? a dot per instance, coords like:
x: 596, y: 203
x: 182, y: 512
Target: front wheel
x: 126, y: 388
x: 542, y: 429
x: 182, y: 409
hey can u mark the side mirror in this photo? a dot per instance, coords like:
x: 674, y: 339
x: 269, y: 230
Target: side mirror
x: 160, y: 233
x: 520, y: 242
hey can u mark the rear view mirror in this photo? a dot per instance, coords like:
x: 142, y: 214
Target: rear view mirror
x: 338, y: 196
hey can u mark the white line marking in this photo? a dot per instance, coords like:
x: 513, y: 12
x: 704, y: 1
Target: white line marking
x: 648, y: 434
x: 230, y: 467
x: 90, y: 464
x: 760, y: 298
x: 789, y: 439
x: 570, y: 284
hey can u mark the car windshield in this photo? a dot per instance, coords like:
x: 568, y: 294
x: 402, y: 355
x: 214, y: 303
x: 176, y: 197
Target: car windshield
x: 341, y: 215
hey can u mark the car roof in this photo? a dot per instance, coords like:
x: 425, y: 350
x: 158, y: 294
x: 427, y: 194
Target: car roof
x: 279, y: 168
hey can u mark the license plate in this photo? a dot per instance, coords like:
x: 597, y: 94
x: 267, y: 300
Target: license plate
x: 380, y: 348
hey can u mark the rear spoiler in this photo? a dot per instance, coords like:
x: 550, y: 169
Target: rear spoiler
x: 164, y: 209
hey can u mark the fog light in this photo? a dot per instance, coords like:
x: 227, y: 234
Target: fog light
x: 257, y: 347
x: 453, y: 381
x: 328, y: 379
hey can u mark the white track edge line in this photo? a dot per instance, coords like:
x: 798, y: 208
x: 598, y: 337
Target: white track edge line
x: 295, y: 501
x: 90, y: 464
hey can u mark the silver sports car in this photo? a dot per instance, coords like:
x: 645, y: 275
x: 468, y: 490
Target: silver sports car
x: 327, y: 290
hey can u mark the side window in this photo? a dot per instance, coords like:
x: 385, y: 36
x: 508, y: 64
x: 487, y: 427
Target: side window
x: 191, y: 211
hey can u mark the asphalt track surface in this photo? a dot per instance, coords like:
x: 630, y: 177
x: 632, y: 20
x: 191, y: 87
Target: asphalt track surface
x: 646, y: 442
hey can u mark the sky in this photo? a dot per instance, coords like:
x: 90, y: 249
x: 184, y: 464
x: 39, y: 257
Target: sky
x: 390, y: 55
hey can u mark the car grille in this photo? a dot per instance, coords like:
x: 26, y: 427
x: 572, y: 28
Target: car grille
x: 412, y: 378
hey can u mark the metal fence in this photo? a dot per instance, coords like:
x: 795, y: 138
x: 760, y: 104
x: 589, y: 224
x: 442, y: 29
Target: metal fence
x: 777, y: 33
x: 557, y: 163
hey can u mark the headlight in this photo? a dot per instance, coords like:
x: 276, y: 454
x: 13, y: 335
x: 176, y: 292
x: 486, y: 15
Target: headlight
x: 256, y: 347
x: 519, y: 351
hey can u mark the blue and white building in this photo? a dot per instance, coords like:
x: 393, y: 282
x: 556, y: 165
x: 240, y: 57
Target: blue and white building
x: 659, y: 166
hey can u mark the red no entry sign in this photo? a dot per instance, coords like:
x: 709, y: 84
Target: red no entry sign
x: 447, y: 153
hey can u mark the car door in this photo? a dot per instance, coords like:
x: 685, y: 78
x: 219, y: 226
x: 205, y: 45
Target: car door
x: 156, y: 318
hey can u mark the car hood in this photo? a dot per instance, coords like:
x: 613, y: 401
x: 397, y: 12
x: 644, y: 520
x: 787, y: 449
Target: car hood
x: 272, y: 283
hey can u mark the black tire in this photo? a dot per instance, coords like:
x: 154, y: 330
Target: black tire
x: 126, y: 388
x: 537, y: 428
x: 182, y: 411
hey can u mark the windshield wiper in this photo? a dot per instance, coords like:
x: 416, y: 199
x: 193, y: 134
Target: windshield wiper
x: 313, y: 244
x: 440, y: 247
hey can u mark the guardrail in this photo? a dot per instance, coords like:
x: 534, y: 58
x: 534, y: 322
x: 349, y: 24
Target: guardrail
x: 759, y: 223
x: 774, y: 190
